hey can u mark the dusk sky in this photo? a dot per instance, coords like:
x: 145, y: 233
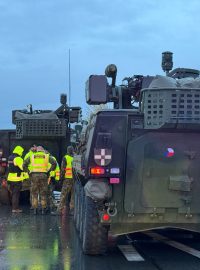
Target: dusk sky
x: 35, y: 37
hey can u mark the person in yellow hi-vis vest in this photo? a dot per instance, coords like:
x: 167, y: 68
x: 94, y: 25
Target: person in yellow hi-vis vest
x: 67, y: 176
x: 37, y: 165
x: 15, y: 176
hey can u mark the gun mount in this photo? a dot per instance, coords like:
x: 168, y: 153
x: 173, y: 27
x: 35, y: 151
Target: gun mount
x: 99, y: 91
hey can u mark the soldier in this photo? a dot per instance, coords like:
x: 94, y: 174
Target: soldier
x: 53, y: 178
x: 32, y: 150
x: 15, y: 176
x: 37, y: 165
x: 67, y: 177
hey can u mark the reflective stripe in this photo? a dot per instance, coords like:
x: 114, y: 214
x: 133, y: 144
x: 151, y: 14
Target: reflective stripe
x: 68, y: 172
x: 68, y: 169
x: 57, y: 174
x: 39, y: 169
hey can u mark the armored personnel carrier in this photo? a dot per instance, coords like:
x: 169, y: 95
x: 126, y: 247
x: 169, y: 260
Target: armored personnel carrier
x: 49, y: 128
x: 137, y: 165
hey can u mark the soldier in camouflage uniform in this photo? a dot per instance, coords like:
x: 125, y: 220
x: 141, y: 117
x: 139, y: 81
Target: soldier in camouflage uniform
x: 53, y: 178
x: 67, y: 177
x: 37, y: 165
x: 32, y: 150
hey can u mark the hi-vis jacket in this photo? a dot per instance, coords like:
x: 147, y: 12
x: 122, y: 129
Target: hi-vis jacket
x: 66, y: 167
x: 15, y: 165
x: 38, y: 162
x: 56, y: 173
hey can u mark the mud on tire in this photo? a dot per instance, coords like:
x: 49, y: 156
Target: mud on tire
x: 95, y: 236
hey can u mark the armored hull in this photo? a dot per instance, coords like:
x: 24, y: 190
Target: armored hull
x: 137, y: 168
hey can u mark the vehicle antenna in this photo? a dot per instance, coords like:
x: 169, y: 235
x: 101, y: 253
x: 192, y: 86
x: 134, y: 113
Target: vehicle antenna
x: 69, y: 67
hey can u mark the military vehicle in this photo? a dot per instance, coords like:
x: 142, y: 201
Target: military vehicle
x: 137, y: 164
x: 49, y: 128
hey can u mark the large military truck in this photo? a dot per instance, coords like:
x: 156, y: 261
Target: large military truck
x: 137, y: 165
x: 49, y: 128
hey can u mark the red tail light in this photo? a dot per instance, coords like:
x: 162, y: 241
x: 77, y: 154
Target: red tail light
x: 106, y: 217
x: 97, y: 170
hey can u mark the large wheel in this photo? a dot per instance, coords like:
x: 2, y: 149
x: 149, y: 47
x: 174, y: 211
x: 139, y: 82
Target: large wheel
x: 77, y: 218
x: 82, y: 212
x: 95, y: 236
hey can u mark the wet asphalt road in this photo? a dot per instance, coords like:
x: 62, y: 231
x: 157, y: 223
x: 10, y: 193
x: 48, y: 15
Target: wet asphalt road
x: 30, y: 242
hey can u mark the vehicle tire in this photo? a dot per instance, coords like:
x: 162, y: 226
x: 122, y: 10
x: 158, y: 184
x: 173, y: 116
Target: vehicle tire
x: 77, y: 206
x: 95, y: 236
x: 82, y: 212
x: 4, y: 196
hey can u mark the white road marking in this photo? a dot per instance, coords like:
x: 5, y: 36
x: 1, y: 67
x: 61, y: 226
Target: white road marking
x: 175, y: 244
x: 130, y: 253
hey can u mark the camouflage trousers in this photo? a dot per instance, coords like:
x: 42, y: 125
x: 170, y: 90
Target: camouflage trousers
x: 50, y: 201
x: 39, y: 189
x: 67, y: 190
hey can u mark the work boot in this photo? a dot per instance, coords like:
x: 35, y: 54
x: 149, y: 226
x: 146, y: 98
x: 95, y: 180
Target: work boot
x: 17, y: 211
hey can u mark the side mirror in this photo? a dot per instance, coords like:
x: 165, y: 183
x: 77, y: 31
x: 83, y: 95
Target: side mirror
x: 96, y: 90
